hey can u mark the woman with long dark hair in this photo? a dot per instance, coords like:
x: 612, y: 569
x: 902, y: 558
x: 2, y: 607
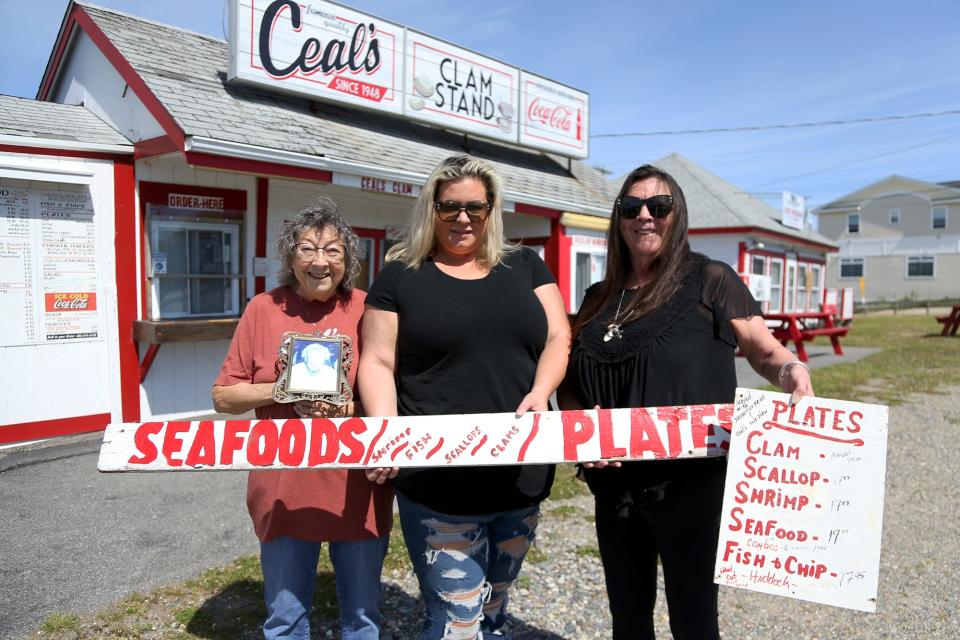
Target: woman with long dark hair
x: 661, y: 329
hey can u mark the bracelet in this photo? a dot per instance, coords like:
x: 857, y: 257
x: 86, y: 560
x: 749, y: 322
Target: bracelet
x: 785, y: 368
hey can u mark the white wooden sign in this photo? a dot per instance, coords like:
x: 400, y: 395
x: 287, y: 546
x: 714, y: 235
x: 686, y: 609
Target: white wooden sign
x: 419, y: 441
x: 803, y: 503
x: 321, y: 49
x: 555, y: 116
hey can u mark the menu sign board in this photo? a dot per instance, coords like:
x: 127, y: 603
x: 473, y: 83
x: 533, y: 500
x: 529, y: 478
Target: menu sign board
x: 330, y: 52
x: 803, y: 503
x: 554, y: 116
x: 321, y: 49
x: 48, y: 278
x: 452, y: 87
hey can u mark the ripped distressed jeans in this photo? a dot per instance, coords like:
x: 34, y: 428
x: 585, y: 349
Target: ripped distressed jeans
x: 465, y: 566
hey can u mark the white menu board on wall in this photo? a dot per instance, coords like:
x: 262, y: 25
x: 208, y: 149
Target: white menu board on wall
x: 803, y: 503
x: 48, y: 270
x: 448, y: 86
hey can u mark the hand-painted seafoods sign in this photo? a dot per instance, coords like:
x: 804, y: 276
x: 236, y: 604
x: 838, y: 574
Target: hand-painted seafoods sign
x: 803, y: 503
x: 330, y: 52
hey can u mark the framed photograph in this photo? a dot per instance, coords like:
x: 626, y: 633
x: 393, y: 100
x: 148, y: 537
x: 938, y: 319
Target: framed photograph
x: 314, y: 368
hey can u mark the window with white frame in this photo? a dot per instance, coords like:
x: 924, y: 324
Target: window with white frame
x: 920, y: 266
x: 851, y: 267
x: 589, y: 268
x: 938, y: 217
x: 758, y: 265
x: 853, y: 223
x: 894, y: 216
x: 816, y: 289
x: 195, y: 268
x: 776, y: 285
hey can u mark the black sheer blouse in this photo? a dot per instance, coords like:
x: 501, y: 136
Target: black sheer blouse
x: 681, y: 354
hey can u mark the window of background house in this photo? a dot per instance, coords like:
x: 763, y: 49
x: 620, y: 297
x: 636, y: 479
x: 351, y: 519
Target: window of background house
x: 853, y: 223
x: 894, y: 216
x: 589, y: 269
x: 938, y: 217
x: 816, y: 290
x: 851, y: 267
x: 758, y: 265
x: 920, y: 266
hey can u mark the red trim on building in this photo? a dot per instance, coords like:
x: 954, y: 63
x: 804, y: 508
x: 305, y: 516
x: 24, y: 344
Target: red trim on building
x: 260, y: 251
x: 49, y: 428
x: 782, y: 237
x: 151, y: 147
x: 557, y: 254
x: 65, y: 153
x: 53, y: 65
x: 741, y: 257
x: 534, y: 210
x: 240, y: 165
x: 125, y: 232
x: 79, y: 16
x: 148, y: 359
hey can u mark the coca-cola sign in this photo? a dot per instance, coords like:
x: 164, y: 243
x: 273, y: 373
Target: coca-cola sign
x: 70, y: 301
x: 556, y: 116
x: 321, y: 49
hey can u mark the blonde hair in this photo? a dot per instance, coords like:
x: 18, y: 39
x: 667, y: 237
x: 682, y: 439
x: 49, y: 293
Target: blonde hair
x: 420, y: 239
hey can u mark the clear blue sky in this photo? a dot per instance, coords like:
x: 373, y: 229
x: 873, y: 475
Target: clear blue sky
x: 667, y: 66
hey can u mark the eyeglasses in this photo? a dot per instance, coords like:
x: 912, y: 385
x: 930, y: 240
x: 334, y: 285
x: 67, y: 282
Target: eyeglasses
x: 659, y: 206
x: 334, y: 253
x: 449, y: 210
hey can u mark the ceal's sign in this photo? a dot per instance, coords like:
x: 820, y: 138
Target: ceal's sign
x: 330, y: 52
x: 320, y: 49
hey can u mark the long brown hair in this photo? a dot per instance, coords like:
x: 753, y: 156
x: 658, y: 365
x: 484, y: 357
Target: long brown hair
x: 668, y: 267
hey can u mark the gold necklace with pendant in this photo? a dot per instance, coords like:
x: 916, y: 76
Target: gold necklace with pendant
x: 613, y: 329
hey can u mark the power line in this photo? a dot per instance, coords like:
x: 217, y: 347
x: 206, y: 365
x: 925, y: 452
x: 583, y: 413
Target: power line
x: 764, y: 127
x: 858, y: 161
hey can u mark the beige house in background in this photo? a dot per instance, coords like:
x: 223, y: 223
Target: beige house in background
x: 902, y: 236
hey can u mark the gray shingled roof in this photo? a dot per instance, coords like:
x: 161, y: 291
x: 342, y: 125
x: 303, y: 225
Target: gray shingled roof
x: 713, y: 202
x: 187, y: 72
x: 51, y: 121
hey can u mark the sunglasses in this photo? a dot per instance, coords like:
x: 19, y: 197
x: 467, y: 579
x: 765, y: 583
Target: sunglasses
x: 449, y: 210
x: 659, y: 206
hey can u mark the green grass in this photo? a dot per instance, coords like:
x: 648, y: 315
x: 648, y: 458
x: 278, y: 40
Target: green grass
x: 566, y: 485
x: 60, y: 622
x: 914, y: 358
x: 587, y: 551
x: 565, y: 511
x: 535, y: 555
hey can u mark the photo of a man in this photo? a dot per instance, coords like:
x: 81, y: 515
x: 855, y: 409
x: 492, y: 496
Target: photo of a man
x: 315, y: 368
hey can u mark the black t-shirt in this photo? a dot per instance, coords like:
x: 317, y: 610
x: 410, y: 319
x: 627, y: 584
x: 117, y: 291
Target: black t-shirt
x: 681, y: 354
x: 467, y: 346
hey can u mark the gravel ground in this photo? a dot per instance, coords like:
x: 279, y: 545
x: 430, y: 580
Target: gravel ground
x: 562, y: 595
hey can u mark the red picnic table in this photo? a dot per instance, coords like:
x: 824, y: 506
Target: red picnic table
x: 802, y: 326
x: 950, y: 321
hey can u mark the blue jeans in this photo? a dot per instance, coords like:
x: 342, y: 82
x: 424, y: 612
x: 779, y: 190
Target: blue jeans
x: 465, y: 566
x: 289, y: 574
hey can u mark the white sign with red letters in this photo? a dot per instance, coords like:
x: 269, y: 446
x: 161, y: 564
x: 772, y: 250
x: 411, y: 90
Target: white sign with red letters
x: 803, y: 504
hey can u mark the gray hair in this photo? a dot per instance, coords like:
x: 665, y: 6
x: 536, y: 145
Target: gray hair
x: 421, y: 237
x: 318, y: 214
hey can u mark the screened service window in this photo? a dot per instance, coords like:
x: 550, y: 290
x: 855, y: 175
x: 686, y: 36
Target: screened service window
x: 894, y: 216
x: 589, y: 269
x: 920, y: 267
x: 853, y: 223
x: 195, y: 268
x: 758, y: 265
x: 939, y: 217
x: 851, y: 267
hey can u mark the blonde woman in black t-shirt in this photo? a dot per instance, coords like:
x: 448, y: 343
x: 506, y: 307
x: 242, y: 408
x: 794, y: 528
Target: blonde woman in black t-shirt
x: 461, y: 321
x: 661, y: 329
